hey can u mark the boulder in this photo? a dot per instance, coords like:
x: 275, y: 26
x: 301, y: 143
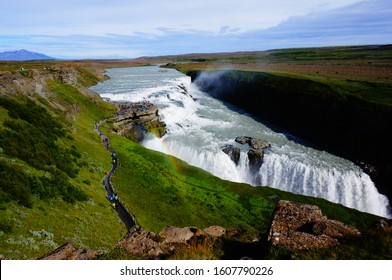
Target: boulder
x: 233, y: 152
x: 296, y: 240
x: 333, y: 229
x: 178, y: 235
x: 381, y: 226
x: 148, y: 245
x: 69, y: 252
x: 215, y: 231
x: 135, y: 120
x: 255, y: 159
x: 303, y: 226
x: 142, y: 243
x: 254, y: 143
x: 256, y: 152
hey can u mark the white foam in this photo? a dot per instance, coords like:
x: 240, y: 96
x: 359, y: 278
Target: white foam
x: 198, y: 129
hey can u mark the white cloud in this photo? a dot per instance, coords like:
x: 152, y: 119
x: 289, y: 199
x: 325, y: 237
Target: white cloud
x: 79, y: 29
x: 67, y: 17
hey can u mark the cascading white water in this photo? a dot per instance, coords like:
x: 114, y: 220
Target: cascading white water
x: 198, y: 127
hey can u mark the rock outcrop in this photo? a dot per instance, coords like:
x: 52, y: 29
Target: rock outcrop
x: 69, y: 252
x: 183, y: 89
x: 134, y: 120
x: 381, y: 226
x: 233, y: 152
x: 254, y: 143
x: 255, y: 153
x: 31, y: 81
x: 143, y: 243
x: 215, y: 231
x: 148, y: 245
x: 179, y: 235
x: 303, y: 226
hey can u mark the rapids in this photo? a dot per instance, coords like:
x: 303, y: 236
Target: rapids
x: 198, y: 126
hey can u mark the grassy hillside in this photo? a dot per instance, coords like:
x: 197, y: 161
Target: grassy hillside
x: 51, y: 166
x: 163, y: 190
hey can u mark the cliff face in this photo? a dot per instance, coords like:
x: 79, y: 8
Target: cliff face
x: 334, y: 117
x: 135, y: 119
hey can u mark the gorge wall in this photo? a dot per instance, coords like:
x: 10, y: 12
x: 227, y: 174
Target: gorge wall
x: 333, y: 116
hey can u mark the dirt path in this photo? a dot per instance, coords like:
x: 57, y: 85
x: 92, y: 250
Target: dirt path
x: 111, y: 195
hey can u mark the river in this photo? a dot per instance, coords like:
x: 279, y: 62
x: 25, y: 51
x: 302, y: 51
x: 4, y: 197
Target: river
x: 199, y: 125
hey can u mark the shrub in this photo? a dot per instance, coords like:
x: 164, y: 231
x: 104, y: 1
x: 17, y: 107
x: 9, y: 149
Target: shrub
x: 15, y: 185
x: 31, y: 135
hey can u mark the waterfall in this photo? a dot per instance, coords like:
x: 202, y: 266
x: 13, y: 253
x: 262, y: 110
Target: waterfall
x: 352, y: 188
x: 198, y: 126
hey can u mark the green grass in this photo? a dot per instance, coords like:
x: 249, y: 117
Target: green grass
x: 333, y: 53
x: 361, y: 92
x: 31, y: 232
x: 87, y: 78
x: 365, y: 72
x: 90, y: 224
x: 369, y: 92
x: 161, y: 190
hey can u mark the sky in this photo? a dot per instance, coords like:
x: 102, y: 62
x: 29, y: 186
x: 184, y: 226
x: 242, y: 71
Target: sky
x: 78, y: 29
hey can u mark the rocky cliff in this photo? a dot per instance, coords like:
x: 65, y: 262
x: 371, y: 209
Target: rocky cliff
x: 255, y: 153
x: 135, y: 119
x: 303, y: 226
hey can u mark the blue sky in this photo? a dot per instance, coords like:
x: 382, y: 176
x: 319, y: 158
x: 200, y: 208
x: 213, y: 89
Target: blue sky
x: 127, y: 29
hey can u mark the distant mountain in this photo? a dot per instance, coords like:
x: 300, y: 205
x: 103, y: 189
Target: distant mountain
x: 23, y: 55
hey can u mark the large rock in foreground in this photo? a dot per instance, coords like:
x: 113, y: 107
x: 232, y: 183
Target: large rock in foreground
x: 143, y: 243
x: 179, y: 235
x: 69, y: 252
x: 303, y: 226
x: 148, y: 245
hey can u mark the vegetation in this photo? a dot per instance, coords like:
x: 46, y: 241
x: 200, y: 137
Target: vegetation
x: 18, y: 186
x: 31, y: 135
x: 322, y: 95
x: 52, y: 163
x: 162, y: 190
x: 51, y: 166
